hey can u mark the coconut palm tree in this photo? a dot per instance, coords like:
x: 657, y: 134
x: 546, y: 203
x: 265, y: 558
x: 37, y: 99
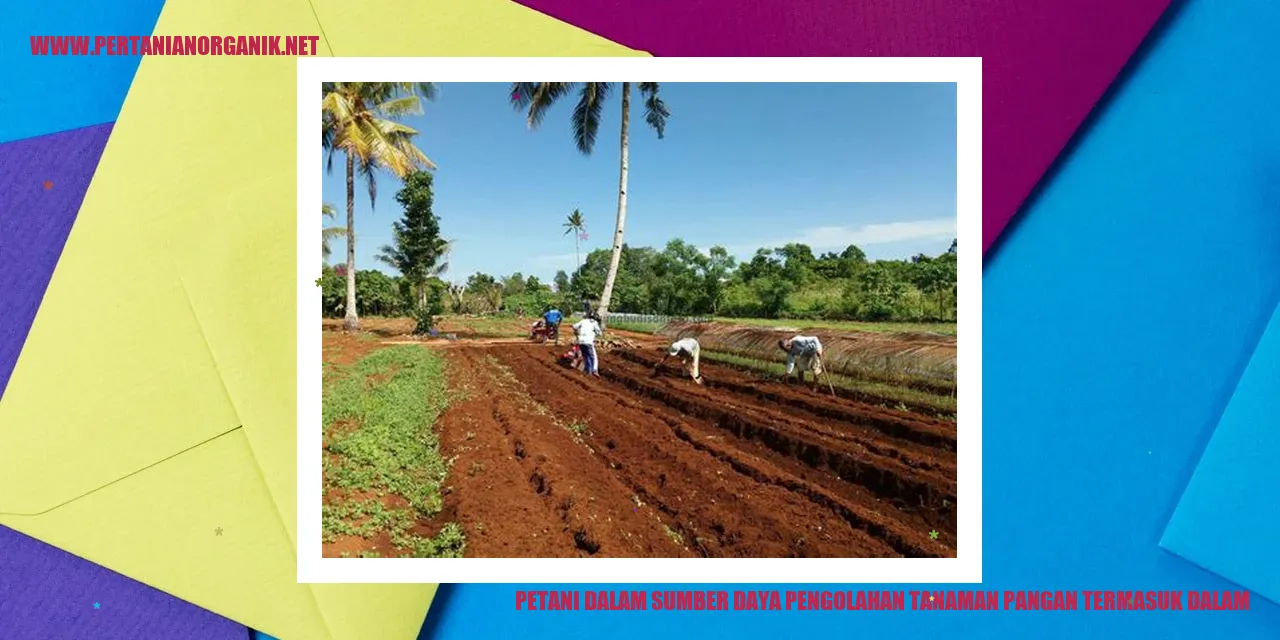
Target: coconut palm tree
x: 576, y: 225
x: 537, y: 98
x: 359, y: 119
x: 329, y: 233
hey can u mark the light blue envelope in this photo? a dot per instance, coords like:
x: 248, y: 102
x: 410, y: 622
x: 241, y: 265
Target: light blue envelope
x: 1229, y: 518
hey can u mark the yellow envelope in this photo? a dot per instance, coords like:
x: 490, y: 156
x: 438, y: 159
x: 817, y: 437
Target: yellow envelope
x: 154, y: 401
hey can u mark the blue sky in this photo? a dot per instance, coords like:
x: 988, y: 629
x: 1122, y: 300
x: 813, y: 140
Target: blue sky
x: 742, y: 166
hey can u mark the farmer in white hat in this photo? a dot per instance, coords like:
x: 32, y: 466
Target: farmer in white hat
x: 687, y: 350
x: 805, y: 351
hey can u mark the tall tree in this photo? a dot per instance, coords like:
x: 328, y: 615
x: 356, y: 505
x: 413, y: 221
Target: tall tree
x: 329, y: 233
x: 537, y: 98
x: 717, y: 270
x: 360, y: 120
x: 514, y: 284
x: 577, y: 225
x: 417, y: 250
x: 562, y: 281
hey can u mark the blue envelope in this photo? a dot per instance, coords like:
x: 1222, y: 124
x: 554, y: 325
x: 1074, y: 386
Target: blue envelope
x: 1228, y: 521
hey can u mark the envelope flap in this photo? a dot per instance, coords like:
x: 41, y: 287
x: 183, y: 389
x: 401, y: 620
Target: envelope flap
x: 451, y: 28
x: 1229, y: 518
x: 244, y: 269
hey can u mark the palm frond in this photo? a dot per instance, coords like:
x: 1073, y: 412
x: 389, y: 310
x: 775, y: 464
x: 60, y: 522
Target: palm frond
x: 338, y: 105
x: 439, y: 269
x: 520, y: 92
x: 428, y: 90
x: 437, y: 263
x: 586, y: 116
x: 415, y: 157
x: 368, y: 170
x: 327, y: 234
x: 409, y: 105
x: 537, y: 97
x: 655, y: 110
x: 390, y: 256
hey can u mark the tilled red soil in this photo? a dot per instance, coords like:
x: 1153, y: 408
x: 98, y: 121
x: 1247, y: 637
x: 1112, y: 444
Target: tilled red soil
x: 549, y: 463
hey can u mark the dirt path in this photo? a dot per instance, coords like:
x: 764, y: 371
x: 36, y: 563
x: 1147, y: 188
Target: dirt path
x: 552, y: 463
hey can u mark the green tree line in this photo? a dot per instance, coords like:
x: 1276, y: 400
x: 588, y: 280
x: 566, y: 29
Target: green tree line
x: 783, y: 282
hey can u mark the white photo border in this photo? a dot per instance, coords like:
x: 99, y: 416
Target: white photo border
x: 966, y: 73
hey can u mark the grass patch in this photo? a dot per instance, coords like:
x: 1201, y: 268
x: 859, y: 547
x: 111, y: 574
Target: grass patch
x: 883, y: 394
x: 879, y: 327
x: 637, y: 327
x: 363, y: 518
x: 487, y: 327
x: 446, y: 544
x: 948, y: 328
x: 390, y: 399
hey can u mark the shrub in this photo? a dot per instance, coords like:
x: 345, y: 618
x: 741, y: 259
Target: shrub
x: 424, y: 320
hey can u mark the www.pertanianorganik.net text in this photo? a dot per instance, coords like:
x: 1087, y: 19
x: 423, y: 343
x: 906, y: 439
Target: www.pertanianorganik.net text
x: 174, y: 45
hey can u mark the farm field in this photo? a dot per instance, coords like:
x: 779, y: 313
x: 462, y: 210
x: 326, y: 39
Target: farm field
x: 537, y: 460
x: 450, y: 431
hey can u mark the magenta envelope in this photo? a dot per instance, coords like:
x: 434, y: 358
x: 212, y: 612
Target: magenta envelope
x: 1045, y: 62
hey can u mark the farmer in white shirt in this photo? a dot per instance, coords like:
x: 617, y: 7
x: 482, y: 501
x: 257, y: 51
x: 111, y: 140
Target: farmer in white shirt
x: 587, y: 330
x: 687, y: 350
x: 805, y: 351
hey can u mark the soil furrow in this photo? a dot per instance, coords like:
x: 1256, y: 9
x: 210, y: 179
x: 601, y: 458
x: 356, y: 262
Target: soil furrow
x: 549, y: 462
x: 706, y: 437
x: 886, y: 477
x: 732, y: 513
x: 927, y: 431
x: 837, y: 436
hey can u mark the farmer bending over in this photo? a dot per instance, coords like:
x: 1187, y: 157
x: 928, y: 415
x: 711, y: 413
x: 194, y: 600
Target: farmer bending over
x: 552, y: 319
x: 587, y: 330
x: 687, y: 350
x: 807, y: 351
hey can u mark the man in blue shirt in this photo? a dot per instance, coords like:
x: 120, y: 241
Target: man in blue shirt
x: 553, y: 317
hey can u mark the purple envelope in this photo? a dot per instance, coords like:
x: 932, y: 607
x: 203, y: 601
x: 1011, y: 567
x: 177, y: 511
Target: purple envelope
x: 42, y: 183
x: 48, y: 593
